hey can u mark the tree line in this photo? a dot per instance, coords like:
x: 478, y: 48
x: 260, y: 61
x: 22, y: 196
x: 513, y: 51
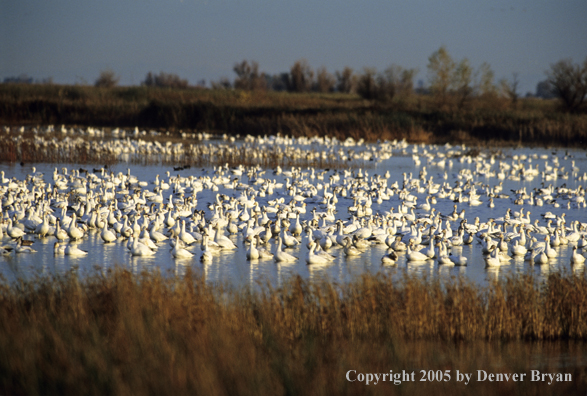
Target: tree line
x: 450, y: 82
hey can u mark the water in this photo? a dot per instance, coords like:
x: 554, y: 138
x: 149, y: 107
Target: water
x: 232, y: 267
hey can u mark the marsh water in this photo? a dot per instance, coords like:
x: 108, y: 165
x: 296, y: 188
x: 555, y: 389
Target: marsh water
x: 401, y: 162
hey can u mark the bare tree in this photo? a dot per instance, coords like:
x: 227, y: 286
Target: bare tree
x: 569, y: 82
x: 440, y: 73
x: 510, y: 88
x: 394, y: 81
x: 485, y: 86
x: 544, y: 90
x: 223, y: 83
x: 346, y: 81
x: 278, y: 82
x: 166, y: 80
x: 367, y: 84
x: 107, y: 79
x: 248, y: 76
x: 462, y: 81
x: 325, y: 81
x: 398, y: 81
x: 21, y: 79
x: 301, y: 76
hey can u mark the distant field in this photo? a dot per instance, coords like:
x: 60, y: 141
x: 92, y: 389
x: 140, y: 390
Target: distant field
x: 119, y: 333
x: 417, y: 118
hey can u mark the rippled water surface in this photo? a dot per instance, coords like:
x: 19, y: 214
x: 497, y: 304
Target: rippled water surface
x: 233, y: 268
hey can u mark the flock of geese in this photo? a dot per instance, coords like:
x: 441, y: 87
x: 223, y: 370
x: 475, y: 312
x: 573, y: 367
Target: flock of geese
x: 312, y: 215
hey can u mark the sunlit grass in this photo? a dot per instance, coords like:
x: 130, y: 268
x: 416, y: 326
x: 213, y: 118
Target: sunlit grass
x: 137, y: 334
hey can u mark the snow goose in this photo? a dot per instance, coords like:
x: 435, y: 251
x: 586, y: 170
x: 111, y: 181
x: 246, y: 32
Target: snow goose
x: 540, y: 257
x: 139, y: 249
x: 577, y: 258
x: 313, y: 258
x: 58, y: 248
x: 180, y: 252
x: 389, y: 258
x: 360, y: 243
x: 107, y: 235
x: 263, y: 253
x: 224, y: 242
x: 288, y: 240
x: 281, y: 256
x: 185, y: 236
x: 43, y: 229
x: 350, y: 249
x: 60, y: 233
x: 207, y: 253
x: 74, y: 231
x: 296, y: 228
x: 398, y: 245
x: 73, y: 250
x: 157, y: 235
x: 252, y: 253
x: 492, y: 260
x: 14, y: 232
x: 415, y: 256
x: 518, y: 250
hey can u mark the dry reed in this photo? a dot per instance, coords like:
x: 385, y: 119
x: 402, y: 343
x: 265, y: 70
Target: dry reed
x: 119, y: 333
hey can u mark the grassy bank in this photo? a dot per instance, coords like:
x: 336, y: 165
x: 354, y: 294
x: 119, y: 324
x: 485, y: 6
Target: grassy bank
x: 418, y: 118
x: 120, y: 333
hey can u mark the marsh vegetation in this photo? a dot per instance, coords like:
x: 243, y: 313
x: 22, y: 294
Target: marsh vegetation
x: 118, y: 333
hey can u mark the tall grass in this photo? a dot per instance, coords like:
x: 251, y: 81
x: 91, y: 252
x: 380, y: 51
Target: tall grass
x: 119, y: 333
x: 417, y: 118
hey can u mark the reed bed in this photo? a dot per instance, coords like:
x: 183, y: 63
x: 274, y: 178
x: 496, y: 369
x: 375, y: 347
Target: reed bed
x: 121, y: 333
x: 29, y: 148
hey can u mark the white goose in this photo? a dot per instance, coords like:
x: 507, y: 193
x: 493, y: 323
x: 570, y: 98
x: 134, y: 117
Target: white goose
x: 252, y: 252
x: 288, y: 240
x: 389, y: 258
x: 415, y: 256
x: 281, y: 256
x: 107, y: 235
x: 443, y: 257
x: 313, y: 258
x: 223, y: 241
x: 180, y: 252
x: 74, y: 231
x: 139, y: 249
x: 517, y: 249
x: 186, y: 237
x: 263, y: 253
x: 157, y: 235
x: 350, y: 249
x: 73, y: 250
x: 492, y: 260
x: 60, y: 233
x: 576, y: 258
x: 59, y: 248
x: 14, y: 232
x: 207, y: 252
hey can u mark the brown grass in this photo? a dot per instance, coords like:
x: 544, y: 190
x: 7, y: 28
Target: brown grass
x: 494, y: 120
x: 120, y: 333
x: 52, y: 148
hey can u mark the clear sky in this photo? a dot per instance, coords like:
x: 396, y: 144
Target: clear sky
x: 73, y: 40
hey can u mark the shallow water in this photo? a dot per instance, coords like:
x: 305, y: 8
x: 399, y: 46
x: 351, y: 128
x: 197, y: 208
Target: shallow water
x: 232, y: 267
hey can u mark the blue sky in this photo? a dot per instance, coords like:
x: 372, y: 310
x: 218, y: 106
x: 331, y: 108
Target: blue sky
x: 72, y: 41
